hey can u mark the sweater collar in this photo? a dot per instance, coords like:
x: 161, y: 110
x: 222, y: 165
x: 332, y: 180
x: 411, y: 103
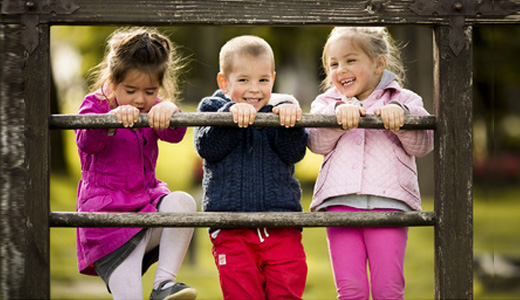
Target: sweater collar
x: 386, y: 79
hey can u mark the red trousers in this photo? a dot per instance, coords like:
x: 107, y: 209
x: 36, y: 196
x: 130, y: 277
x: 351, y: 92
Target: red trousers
x: 262, y: 263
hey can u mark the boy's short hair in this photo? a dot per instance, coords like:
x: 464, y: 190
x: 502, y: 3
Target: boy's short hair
x: 243, y: 45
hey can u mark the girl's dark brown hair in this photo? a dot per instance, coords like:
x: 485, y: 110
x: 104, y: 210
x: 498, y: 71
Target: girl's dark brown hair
x: 142, y: 49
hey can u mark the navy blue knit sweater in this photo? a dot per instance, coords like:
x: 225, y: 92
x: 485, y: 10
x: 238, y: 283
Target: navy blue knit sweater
x: 248, y: 169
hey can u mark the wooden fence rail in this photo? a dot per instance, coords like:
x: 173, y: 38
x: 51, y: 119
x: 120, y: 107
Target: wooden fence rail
x: 229, y: 219
x: 225, y: 119
x: 243, y: 220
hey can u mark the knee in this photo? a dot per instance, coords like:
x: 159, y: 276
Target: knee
x: 178, y: 201
x: 348, y: 290
x: 389, y: 291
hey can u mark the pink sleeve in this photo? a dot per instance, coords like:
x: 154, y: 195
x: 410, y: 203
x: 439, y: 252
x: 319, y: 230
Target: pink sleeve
x: 323, y: 140
x: 415, y: 142
x: 172, y: 135
x: 92, y: 140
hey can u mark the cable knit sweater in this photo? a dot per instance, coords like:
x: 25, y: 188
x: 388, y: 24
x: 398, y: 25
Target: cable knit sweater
x: 248, y: 169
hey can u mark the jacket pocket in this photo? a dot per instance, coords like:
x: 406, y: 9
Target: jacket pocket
x: 407, y: 173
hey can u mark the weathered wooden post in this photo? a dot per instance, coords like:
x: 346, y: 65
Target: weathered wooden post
x: 24, y: 165
x: 453, y: 206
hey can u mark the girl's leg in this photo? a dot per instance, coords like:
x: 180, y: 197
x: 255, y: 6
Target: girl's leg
x: 125, y: 281
x: 173, y: 242
x: 386, y: 250
x: 349, y: 260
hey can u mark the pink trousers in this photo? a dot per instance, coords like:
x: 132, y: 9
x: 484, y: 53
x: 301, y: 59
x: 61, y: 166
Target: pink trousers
x: 350, y: 249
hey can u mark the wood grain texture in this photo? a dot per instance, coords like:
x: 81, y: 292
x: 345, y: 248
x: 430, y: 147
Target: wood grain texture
x: 241, y: 12
x: 13, y: 169
x: 242, y: 220
x: 226, y: 119
x: 453, y: 206
x: 37, y: 145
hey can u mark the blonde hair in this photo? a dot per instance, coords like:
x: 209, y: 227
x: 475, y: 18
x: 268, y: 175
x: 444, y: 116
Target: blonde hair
x: 142, y: 49
x: 243, y: 45
x: 373, y: 41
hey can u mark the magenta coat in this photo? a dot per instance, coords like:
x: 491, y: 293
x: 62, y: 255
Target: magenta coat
x: 118, y: 175
x: 369, y: 161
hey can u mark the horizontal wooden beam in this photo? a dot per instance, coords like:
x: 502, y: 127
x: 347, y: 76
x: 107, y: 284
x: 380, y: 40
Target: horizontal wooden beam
x: 243, y: 220
x: 226, y: 119
x: 250, y: 12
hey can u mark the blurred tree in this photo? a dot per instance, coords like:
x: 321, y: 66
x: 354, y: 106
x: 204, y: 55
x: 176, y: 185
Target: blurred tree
x: 58, y: 161
x: 496, y: 105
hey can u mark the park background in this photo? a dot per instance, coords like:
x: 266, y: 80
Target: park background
x: 496, y: 132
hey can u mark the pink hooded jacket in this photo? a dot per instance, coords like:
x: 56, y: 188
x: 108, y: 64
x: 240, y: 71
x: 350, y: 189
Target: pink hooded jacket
x: 369, y: 161
x: 118, y: 175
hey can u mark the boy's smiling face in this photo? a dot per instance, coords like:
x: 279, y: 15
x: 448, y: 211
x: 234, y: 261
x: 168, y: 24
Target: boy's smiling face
x: 250, y: 80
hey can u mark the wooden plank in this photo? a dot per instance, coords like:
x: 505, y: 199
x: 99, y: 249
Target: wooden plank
x: 13, y: 235
x: 24, y: 110
x: 37, y: 207
x: 251, y: 12
x: 241, y: 220
x: 226, y: 119
x: 453, y: 168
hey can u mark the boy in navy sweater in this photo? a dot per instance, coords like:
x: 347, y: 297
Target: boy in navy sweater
x: 249, y: 169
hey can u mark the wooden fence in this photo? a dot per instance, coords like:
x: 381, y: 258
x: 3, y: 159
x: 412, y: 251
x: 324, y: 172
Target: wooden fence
x: 25, y: 121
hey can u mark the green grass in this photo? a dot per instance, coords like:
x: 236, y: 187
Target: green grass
x: 495, y: 231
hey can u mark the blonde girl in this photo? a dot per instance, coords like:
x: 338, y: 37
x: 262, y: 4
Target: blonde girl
x: 118, y: 168
x: 367, y: 169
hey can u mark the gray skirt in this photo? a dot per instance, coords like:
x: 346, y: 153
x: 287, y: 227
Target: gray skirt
x: 107, y: 264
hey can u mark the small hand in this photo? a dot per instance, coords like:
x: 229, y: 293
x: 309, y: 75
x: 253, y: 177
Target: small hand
x: 126, y: 114
x: 392, y: 116
x: 243, y: 114
x: 160, y: 114
x: 348, y: 115
x: 289, y: 114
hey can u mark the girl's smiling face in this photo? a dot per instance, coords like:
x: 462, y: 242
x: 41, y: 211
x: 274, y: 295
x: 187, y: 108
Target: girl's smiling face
x: 138, y: 89
x: 351, y: 70
x: 250, y: 80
